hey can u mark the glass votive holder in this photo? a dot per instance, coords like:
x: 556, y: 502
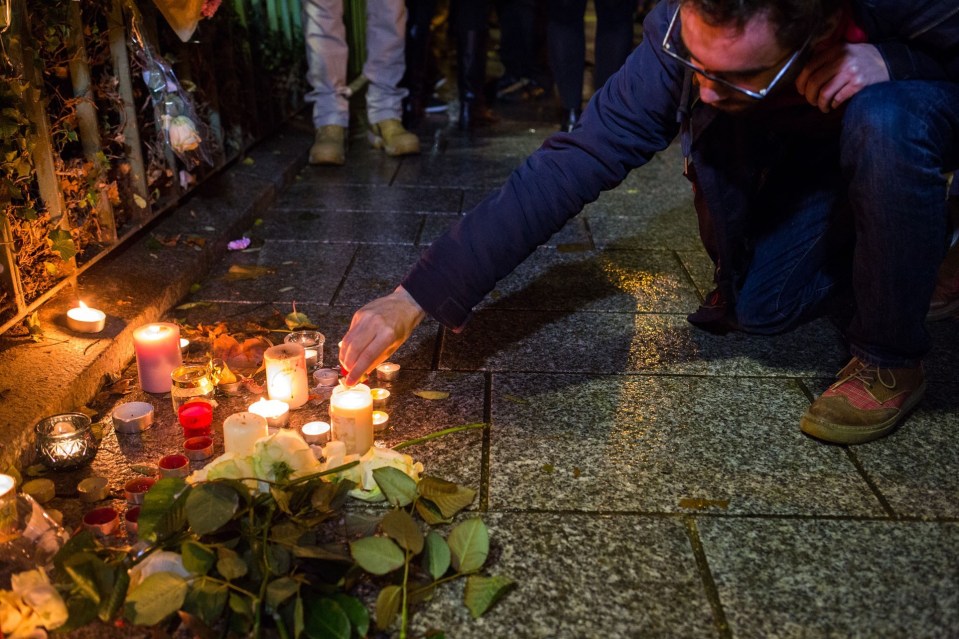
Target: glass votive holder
x: 312, y: 342
x: 196, y: 418
x: 65, y: 441
x: 190, y: 381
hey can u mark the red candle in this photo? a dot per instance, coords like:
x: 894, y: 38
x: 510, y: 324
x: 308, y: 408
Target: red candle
x: 157, y: 349
x: 195, y: 418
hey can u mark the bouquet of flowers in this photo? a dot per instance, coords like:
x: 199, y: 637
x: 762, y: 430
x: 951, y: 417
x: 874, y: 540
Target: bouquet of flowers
x: 262, y: 543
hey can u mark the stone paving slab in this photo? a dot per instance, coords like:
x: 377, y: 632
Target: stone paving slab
x: 822, y: 578
x: 591, y: 280
x: 642, y: 343
x: 573, y: 236
x: 664, y: 444
x: 317, y: 195
x: 331, y: 227
x: 583, y: 577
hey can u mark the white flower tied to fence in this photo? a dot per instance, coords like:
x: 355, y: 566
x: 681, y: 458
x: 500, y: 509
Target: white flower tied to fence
x: 173, y: 108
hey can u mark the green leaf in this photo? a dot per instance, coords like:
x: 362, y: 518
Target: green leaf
x: 62, y: 242
x: 197, y: 558
x: 210, y: 506
x: 431, y: 514
x: 436, y: 560
x: 295, y: 321
x: 358, y: 614
x: 79, y: 543
x: 469, y: 545
x: 450, y: 498
x: 398, y: 487
x: 278, y: 559
x: 81, y: 612
x: 110, y: 605
x: 319, y: 552
x: 299, y: 621
x: 155, y: 598
x: 326, y: 620
x: 83, y: 569
x: 287, y: 532
x: 387, y: 605
x: 241, y: 606
x: 230, y: 565
x: 206, y: 599
x: 400, y: 526
x: 279, y: 590
x: 162, y: 513
x: 377, y: 555
x: 483, y: 592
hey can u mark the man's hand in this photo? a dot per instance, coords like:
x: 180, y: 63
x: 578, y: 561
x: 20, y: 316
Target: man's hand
x: 377, y: 330
x: 838, y: 71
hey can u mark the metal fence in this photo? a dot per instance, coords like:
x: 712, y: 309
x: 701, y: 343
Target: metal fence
x: 93, y: 146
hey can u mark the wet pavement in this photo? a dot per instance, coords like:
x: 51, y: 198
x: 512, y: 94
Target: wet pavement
x: 640, y: 478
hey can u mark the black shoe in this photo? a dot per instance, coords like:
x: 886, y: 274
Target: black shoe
x: 713, y: 315
x: 570, y: 119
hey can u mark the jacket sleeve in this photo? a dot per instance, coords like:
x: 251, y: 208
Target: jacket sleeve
x: 623, y: 126
x: 918, y: 40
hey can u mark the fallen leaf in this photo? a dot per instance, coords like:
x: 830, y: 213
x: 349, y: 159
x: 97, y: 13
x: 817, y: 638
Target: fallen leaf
x: 431, y: 394
x: 243, y: 272
x: 548, y: 469
x: 140, y: 201
x: 285, y: 289
x: 577, y: 472
x: 189, y: 305
x: 36, y: 470
x: 515, y: 399
x: 248, y: 161
x: 167, y: 240
x: 244, y: 358
x: 702, y: 504
x: 145, y: 469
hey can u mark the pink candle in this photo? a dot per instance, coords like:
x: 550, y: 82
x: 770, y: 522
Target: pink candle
x: 157, y: 348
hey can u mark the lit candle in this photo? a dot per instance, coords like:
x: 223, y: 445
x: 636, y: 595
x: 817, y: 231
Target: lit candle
x: 312, y: 341
x: 380, y: 397
x: 380, y: 418
x: 84, y: 319
x: 240, y: 432
x: 351, y: 414
x: 286, y: 374
x: 275, y: 412
x: 157, y: 349
x: 311, y: 356
x: 315, y: 432
x: 387, y: 371
x: 62, y: 428
x: 197, y: 448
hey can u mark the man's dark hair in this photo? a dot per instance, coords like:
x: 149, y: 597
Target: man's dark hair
x: 795, y: 19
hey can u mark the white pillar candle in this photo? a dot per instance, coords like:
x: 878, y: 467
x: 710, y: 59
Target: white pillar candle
x: 157, y: 349
x: 84, y: 319
x: 351, y: 416
x: 286, y: 374
x: 240, y: 432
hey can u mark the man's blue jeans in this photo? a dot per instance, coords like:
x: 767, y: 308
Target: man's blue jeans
x: 860, y: 195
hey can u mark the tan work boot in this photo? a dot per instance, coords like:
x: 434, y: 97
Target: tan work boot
x: 390, y: 136
x: 329, y: 145
x: 865, y: 404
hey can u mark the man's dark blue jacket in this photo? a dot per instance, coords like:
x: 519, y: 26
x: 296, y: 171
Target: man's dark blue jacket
x: 637, y: 114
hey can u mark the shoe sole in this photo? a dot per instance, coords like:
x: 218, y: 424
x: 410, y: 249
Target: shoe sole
x: 843, y: 434
x: 943, y: 312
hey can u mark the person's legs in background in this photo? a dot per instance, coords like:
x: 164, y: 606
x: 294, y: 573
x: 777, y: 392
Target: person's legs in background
x: 470, y: 23
x: 566, y: 40
x: 384, y: 67
x: 517, y: 19
x: 417, y: 78
x: 326, y: 56
x: 614, y: 37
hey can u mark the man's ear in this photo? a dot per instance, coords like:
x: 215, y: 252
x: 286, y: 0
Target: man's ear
x: 828, y: 31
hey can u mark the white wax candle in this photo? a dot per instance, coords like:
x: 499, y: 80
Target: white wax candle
x: 351, y: 415
x: 157, y: 349
x: 311, y: 356
x: 275, y: 412
x: 84, y: 319
x: 62, y: 428
x: 240, y: 432
x: 286, y: 374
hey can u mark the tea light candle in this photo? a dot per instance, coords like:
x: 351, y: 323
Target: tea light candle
x: 102, y: 521
x: 195, y: 417
x: 198, y: 448
x: 286, y: 374
x: 93, y: 489
x: 84, y: 319
x: 174, y: 466
x: 135, y: 489
x: 380, y: 418
x: 240, y: 432
x: 315, y: 432
x: 351, y: 415
x: 312, y: 342
x: 380, y: 397
x: 387, y: 371
x: 132, y: 417
x: 326, y: 377
x: 275, y: 412
x: 131, y: 520
x: 157, y: 348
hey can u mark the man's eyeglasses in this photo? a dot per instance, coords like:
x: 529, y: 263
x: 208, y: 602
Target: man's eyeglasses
x: 669, y: 49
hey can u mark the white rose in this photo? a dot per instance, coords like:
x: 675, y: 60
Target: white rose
x: 283, y: 455
x: 17, y: 619
x: 368, y: 489
x: 38, y: 593
x: 183, y: 134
